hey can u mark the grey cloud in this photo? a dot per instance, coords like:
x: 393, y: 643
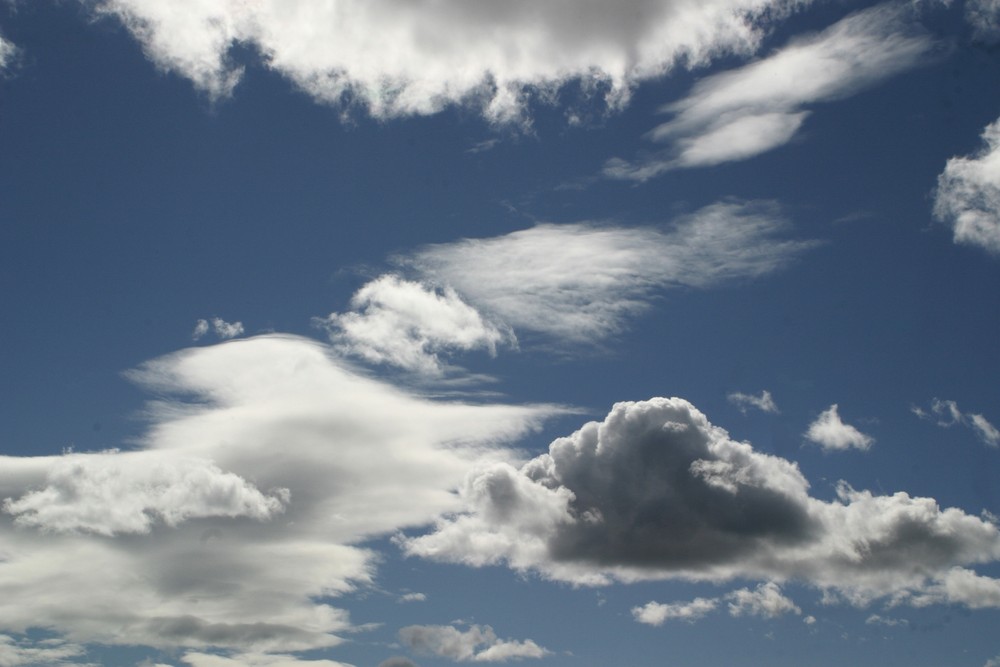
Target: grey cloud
x: 477, y: 644
x: 397, y: 662
x: 739, y: 114
x: 655, y: 491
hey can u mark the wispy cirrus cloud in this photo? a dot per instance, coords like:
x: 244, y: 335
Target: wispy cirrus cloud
x: 418, y: 58
x: 947, y: 413
x: 968, y: 194
x: 764, y: 402
x: 656, y: 491
x: 745, y: 112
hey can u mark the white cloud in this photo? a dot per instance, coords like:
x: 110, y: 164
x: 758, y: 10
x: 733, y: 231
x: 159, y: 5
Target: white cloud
x: 408, y: 324
x: 215, y: 556
x: 875, y: 619
x: 412, y: 597
x: 959, y: 586
x: 113, y: 493
x: 655, y: 613
x: 477, y: 644
x: 222, y: 329
x: 832, y: 434
x: 968, y: 194
x: 196, y: 659
x: 582, y: 282
x: 756, y: 108
x: 765, y: 600
x: 419, y: 57
x: 8, y: 52
x: 764, y: 402
x: 947, y: 414
x: 655, y: 491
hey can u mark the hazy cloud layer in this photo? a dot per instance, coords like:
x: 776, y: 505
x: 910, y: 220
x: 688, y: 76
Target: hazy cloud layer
x: 832, y: 434
x: 265, y: 462
x: 581, y: 283
x: 25, y: 653
x: 984, y: 16
x: 656, y: 491
x: 196, y: 659
x: 407, y: 324
x: 415, y: 58
x: 947, y: 414
x: 477, y: 644
x: 968, y: 194
x: 756, y: 108
x: 764, y: 402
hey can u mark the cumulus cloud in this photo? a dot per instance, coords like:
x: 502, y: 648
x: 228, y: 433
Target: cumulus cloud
x: 968, y: 195
x: 656, y: 491
x: 52, y: 652
x: 655, y: 613
x: 876, y: 619
x: 418, y: 58
x: 196, y: 659
x: 947, y: 414
x: 222, y: 329
x: 582, y: 282
x: 198, y: 546
x: 477, y: 644
x: 766, y: 600
x: 764, y: 402
x: 407, y: 324
x: 412, y: 597
x: 756, y: 108
x: 832, y: 434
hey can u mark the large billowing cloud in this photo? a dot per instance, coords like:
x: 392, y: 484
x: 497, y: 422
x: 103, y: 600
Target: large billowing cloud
x: 968, y: 194
x: 411, y: 57
x: 756, y: 108
x: 656, y: 491
x: 236, y: 520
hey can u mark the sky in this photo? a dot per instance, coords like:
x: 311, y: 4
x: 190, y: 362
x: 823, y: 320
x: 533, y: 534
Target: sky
x: 570, y: 333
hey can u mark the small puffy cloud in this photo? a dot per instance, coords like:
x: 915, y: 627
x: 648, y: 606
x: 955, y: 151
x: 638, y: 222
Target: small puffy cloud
x: 764, y: 402
x: 756, y: 108
x: 8, y: 52
x: 876, y: 619
x: 582, y: 282
x: 655, y: 613
x: 222, y: 329
x: 407, y: 324
x: 392, y: 60
x: 765, y: 600
x: 655, y: 491
x: 832, y: 434
x: 947, y: 414
x: 412, y: 597
x: 809, y: 620
x: 968, y: 194
x: 477, y: 644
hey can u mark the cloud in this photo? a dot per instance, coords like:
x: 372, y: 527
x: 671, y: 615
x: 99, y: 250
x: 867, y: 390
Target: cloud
x: 875, y: 619
x: 397, y: 662
x: 968, y: 195
x: 656, y: 491
x: 189, y: 542
x: 407, y: 324
x: 766, y: 601
x: 477, y: 644
x: 984, y: 16
x: 581, y: 283
x: 48, y: 653
x: 196, y: 659
x: 8, y: 54
x: 655, y: 613
x: 412, y: 597
x: 418, y: 58
x: 947, y: 414
x: 222, y: 329
x: 758, y: 107
x: 764, y: 402
x: 830, y: 433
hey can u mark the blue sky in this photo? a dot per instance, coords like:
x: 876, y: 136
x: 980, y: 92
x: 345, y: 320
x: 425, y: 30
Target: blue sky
x: 384, y: 334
